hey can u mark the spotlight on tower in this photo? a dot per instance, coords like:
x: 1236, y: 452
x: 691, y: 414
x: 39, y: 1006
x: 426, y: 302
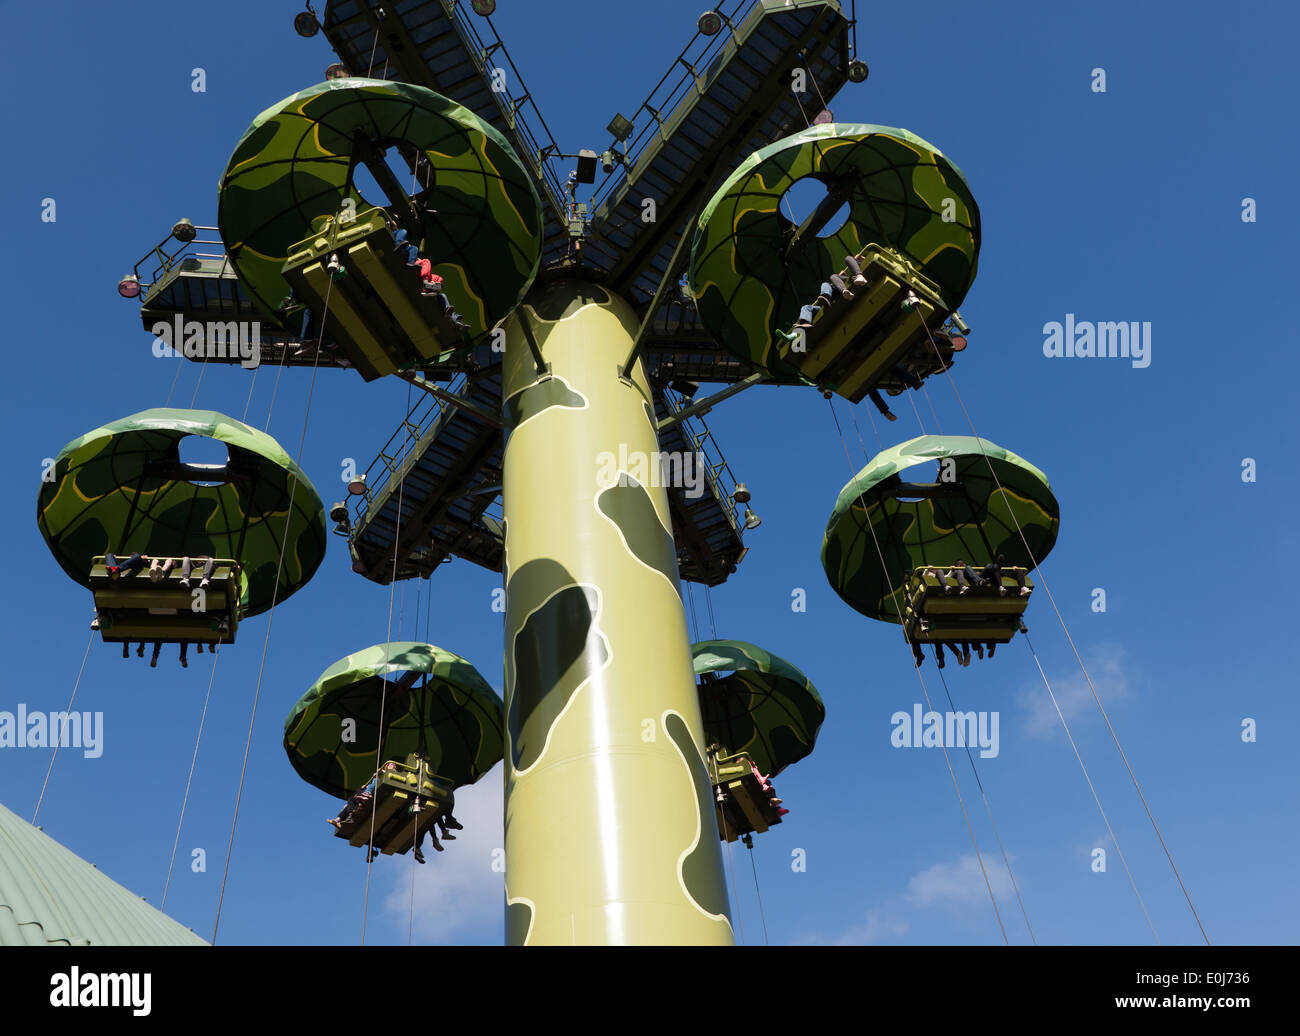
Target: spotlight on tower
x: 620, y: 127
x: 710, y: 23
x: 858, y: 71
x: 305, y: 24
x: 184, y: 231
x: 129, y: 286
x: 357, y: 487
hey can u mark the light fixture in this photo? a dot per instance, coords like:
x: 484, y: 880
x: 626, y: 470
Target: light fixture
x: 357, y: 487
x: 484, y: 7
x: 129, y: 286
x: 858, y: 71
x: 305, y: 24
x: 823, y: 117
x: 958, y: 343
x: 709, y: 23
x: 607, y: 160
x: 184, y: 231
x: 337, y: 71
x: 752, y: 521
x: 741, y: 493
x: 586, y: 166
x: 339, y: 512
x: 619, y: 127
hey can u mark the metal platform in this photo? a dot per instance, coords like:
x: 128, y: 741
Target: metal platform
x: 725, y: 97
x: 444, y: 465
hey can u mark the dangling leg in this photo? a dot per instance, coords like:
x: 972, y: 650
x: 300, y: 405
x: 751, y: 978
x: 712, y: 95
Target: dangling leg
x: 184, y: 647
x: 207, y: 571
x: 889, y: 415
x: 855, y: 269
x: 938, y: 653
x: 157, y: 649
x: 837, y: 282
x: 185, y: 573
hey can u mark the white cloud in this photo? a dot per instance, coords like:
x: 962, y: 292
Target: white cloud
x: 1106, y: 667
x: 878, y: 927
x: 457, y: 889
x: 960, y: 882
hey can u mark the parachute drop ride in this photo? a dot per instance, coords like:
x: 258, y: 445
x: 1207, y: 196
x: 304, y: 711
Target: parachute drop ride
x: 416, y: 720
x: 300, y: 236
x: 856, y: 309
x: 252, y: 528
x: 761, y: 714
x: 891, y: 546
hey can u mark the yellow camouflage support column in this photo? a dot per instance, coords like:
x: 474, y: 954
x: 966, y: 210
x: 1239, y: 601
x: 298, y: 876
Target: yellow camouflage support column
x: 609, y: 822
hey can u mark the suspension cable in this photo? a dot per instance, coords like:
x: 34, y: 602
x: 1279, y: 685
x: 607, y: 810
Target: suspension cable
x: 55, y: 754
x: 270, y: 616
x: 193, y: 760
x: 1061, y: 619
x: 988, y: 806
x: 903, y: 628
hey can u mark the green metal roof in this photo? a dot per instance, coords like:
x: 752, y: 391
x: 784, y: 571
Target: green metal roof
x: 49, y: 896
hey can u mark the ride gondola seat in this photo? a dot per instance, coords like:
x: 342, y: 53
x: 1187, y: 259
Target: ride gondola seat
x: 135, y: 608
x: 741, y: 804
x: 854, y: 343
x: 376, y: 311
x: 980, y: 614
x: 397, y: 823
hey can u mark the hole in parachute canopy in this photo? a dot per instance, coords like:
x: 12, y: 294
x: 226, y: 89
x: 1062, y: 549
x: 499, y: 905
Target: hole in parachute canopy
x: 198, y: 452
x: 368, y: 187
x: 801, y: 199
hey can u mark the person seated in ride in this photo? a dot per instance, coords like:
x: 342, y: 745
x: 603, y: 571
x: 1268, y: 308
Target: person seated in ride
x: 810, y: 312
x: 208, y: 564
x: 160, y: 568
x: 939, y: 576
x: 431, y: 284
x: 351, y: 806
x: 855, y: 269
x: 965, y: 575
x: 117, y: 569
x: 992, y: 575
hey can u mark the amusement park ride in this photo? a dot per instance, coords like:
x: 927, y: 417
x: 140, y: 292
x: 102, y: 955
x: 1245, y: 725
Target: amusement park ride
x: 589, y: 327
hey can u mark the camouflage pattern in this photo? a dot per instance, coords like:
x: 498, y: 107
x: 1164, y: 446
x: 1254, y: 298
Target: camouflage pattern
x: 766, y: 707
x: 292, y: 171
x: 451, y: 716
x: 746, y: 289
x: 610, y: 829
x: 974, y: 526
x: 101, y: 500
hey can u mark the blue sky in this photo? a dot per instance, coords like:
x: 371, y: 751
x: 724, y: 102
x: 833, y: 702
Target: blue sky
x: 1123, y: 205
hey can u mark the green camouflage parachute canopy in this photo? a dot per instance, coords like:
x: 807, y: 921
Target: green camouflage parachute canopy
x: 442, y: 709
x: 766, y: 707
x: 899, y: 190
x: 123, y: 488
x: 294, y: 165
x: 966, y: 518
